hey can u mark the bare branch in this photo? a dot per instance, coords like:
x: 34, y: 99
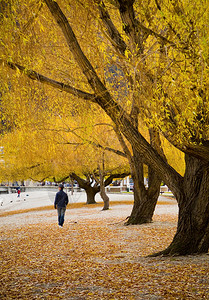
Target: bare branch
x: 169, y: 24
x: 98, y: 145
x: 136, y: 31
x: 113, y: 33
x: 123, y: 144
x: 75, y: 48
x: 32, y: 19
x: 82, y: 182
x: 119, y: 175
x: 118, y: 152
x: 56, y: 84
x: 40, y: 180
x: 69, y: 143
x: 157, y: 35
x: 130, y: 24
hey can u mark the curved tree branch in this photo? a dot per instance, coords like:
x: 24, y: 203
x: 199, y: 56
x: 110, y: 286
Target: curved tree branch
x: 123, y: 144
x: 130, y: 24
x: 113, y: 33
x: 136, y: 31
x: 56, y: 84
x: 97, y: 145
x: 111, y: 177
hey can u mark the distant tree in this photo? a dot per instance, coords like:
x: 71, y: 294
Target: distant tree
x: 59, y: 150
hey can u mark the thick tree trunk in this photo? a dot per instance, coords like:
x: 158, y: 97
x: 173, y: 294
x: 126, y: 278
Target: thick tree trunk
x: 142, y: 211
x: 103, y: 194
x: 192, y: 236
x: 90, y: 190
x: 105, y: 198
x: 104, y: 183
x: 145, y: 200
x: 91, y: 193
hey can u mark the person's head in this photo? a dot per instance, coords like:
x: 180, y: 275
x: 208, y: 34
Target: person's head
x: 61, y: 186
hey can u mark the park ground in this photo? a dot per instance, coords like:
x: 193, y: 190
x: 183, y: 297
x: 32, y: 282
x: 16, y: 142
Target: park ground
x: 94, y: 256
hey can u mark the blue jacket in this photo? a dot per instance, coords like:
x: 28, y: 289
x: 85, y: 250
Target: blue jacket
x: 61, y: 199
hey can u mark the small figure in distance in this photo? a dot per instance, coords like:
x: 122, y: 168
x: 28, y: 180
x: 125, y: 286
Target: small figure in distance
x: 60, y: 203
x: 18, y: 193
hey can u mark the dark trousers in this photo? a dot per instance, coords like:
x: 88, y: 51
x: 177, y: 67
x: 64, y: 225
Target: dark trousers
x: 61, y: 215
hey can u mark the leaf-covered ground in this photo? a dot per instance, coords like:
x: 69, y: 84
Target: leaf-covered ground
x: 95, y: 258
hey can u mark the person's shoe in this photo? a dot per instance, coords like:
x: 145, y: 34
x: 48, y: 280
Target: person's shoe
x: 60, y: 226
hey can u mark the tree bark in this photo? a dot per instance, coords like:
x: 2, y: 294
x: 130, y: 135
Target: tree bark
x: 91, y: 193
x: 145, y: 200
x: 105, y: 198
x: 192, y: 236
x: 103, y: 194
x: 144, y: 205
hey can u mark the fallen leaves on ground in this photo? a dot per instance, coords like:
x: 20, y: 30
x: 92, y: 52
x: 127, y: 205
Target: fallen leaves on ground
x: 74, y: 205
x: 98, y: 259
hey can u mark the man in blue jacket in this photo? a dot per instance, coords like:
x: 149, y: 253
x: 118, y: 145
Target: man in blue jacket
x: 60, y: 203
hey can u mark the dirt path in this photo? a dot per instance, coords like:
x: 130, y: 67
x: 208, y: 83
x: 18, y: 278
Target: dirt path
x: 49, y: 216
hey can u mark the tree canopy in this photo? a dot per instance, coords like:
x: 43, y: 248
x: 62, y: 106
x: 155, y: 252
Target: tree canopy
x: 156, y: 54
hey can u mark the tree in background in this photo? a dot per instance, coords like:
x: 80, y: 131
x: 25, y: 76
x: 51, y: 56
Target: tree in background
x: 57, y: 147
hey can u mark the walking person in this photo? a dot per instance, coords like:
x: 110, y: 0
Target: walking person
x: 18, y: 193
x: 60, y: 203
